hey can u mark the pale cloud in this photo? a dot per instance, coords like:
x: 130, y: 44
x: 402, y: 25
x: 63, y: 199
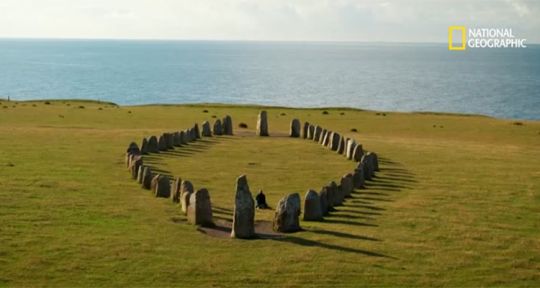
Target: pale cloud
x: 326, y: 20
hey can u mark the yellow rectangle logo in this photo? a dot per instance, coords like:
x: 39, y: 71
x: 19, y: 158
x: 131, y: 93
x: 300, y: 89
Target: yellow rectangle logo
x: 451, y: 30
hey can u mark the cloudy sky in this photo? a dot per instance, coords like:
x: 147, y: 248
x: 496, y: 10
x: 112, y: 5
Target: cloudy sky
x: 318, y: 20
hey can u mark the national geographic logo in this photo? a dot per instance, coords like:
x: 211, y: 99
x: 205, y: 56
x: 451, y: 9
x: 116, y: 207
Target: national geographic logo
x: 483, y: 38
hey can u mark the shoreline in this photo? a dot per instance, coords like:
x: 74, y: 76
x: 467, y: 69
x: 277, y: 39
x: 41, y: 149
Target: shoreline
x: 235, y: 105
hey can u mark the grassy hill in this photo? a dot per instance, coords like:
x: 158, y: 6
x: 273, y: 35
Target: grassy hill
x: 456, y: 203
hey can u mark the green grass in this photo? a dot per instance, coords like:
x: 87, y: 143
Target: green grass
x: 454, y: 205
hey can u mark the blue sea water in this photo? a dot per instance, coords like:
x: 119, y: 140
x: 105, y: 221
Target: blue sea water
x: 393, y: 77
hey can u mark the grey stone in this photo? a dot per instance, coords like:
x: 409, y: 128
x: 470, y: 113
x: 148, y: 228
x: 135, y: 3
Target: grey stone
x: 175, y: 190
x: 323, y: 135
x: 323, y: 195
x: 326, y: 139
x: 305, y: 130
x: 206, y: 132
x: 196, y: 131
x: 133, y: 148
x: 294, y: 130
x: 227, y: 125
x: 358, y: 176
x: 244, y: 211
x: 337, y: 199
x: 162, y: 186
x: 262, y: 124
x: 144, y: 146
x: 311, y: 132
x: 312, y: 206
x: 134, y: 165
x: 334, y: 141
x: 146, y: 182
x: 341, y: 146
x: 176, y: 139
x: 317, y: 135
x: 140, y: 174
x: 186, y: 189
x: 153, y: 146
x: 286, y: 218
x: 217, y: 128
x: 347, y: 185
x: 375, y: 160
x: 199, y: 211
x: 162, y: 143
x: 170, y: 140
x: 183, y: 138
x: 358, y: 152
x: 351, y: 144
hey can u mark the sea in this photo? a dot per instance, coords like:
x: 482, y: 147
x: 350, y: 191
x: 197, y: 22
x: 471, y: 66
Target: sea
x: 500, y: 82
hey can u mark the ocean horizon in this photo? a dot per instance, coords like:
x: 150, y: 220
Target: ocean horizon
x: 405, y: 77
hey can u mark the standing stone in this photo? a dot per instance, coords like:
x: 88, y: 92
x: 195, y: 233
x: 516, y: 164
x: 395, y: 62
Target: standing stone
x: 163, y: 186
x: 136, y: 162
x: 323, y: 195
x: 227, y: 125
x: 199, y: 211
x: 162, y: 143
x: 175, y: 190
x: 140, y: 174
x: 334, y: 141
x: 305, y: 130
x: 336, y: 198
x: 183, y: 138
x: 286, y: 218
x: 358, y: 152
x: 144, y: 146
x: 192, y: 134
x: 312, y: 206
x: 375, y: 160
x: 317, y: 135
x: 262, y: 124
x: 176, y: 139
x: 295, y: 128
x: 186, y: 189
x: 196, y: 131
x: 170, y: 140
x: 154, y: 183
x: 358, y: 176
x: 206, y: 132
x: 244, y: 211
x: 341, y: 146
x: 146, y: 182
x: 218, y: 130
x: 133, y: 148
x: 351, y: 144
x: 323, y: 135
x: 153, y: 146
x: 311, y: 132
x: 347, y: 185
x: 369, y: 165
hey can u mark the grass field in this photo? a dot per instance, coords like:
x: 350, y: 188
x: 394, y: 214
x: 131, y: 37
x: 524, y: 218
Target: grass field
x: 456, y: 203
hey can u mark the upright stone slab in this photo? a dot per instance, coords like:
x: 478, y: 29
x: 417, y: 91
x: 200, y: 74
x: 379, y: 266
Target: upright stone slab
x: 262, y: 124
x: 286, y: 218
x: 175, y: 190
x: 196, y: 131
x: 317, y: 134
x: 367, y: 165
x: 312, y: 206
x: 199, y: 211
x: 347, y: 185
x: 136, y: 162
x: 375, y: 160
x: 140, y: 174
x: 144, y: 146
x: 227, y: 125
x: 193, y: 134
x: 323, y: 195
x: 217, y: 128
x: 163, y: 187
x: 358, y: 176
x: 305, y: 130
x: 177, y: 139
x: 186, y: 189
x: 183, y: 138
x: 334, y: 141
x: 146, y: 182
x: 294, y: 130
x: 341, y: 145
x: 311, y: 132
x: 170, y: 140
x: 153, y: 146
x: 326, y: 138
x: 358, y: 152
x: 323, y: 135
x: 162, y: 143
x: 206, y: 132
x: 244, y: 211
x: 336, y: 198
x: 133, y: 148
x: 351, y: 144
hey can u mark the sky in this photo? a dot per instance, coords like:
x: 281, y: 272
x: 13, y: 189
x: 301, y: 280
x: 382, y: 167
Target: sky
x: 260, y: 20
